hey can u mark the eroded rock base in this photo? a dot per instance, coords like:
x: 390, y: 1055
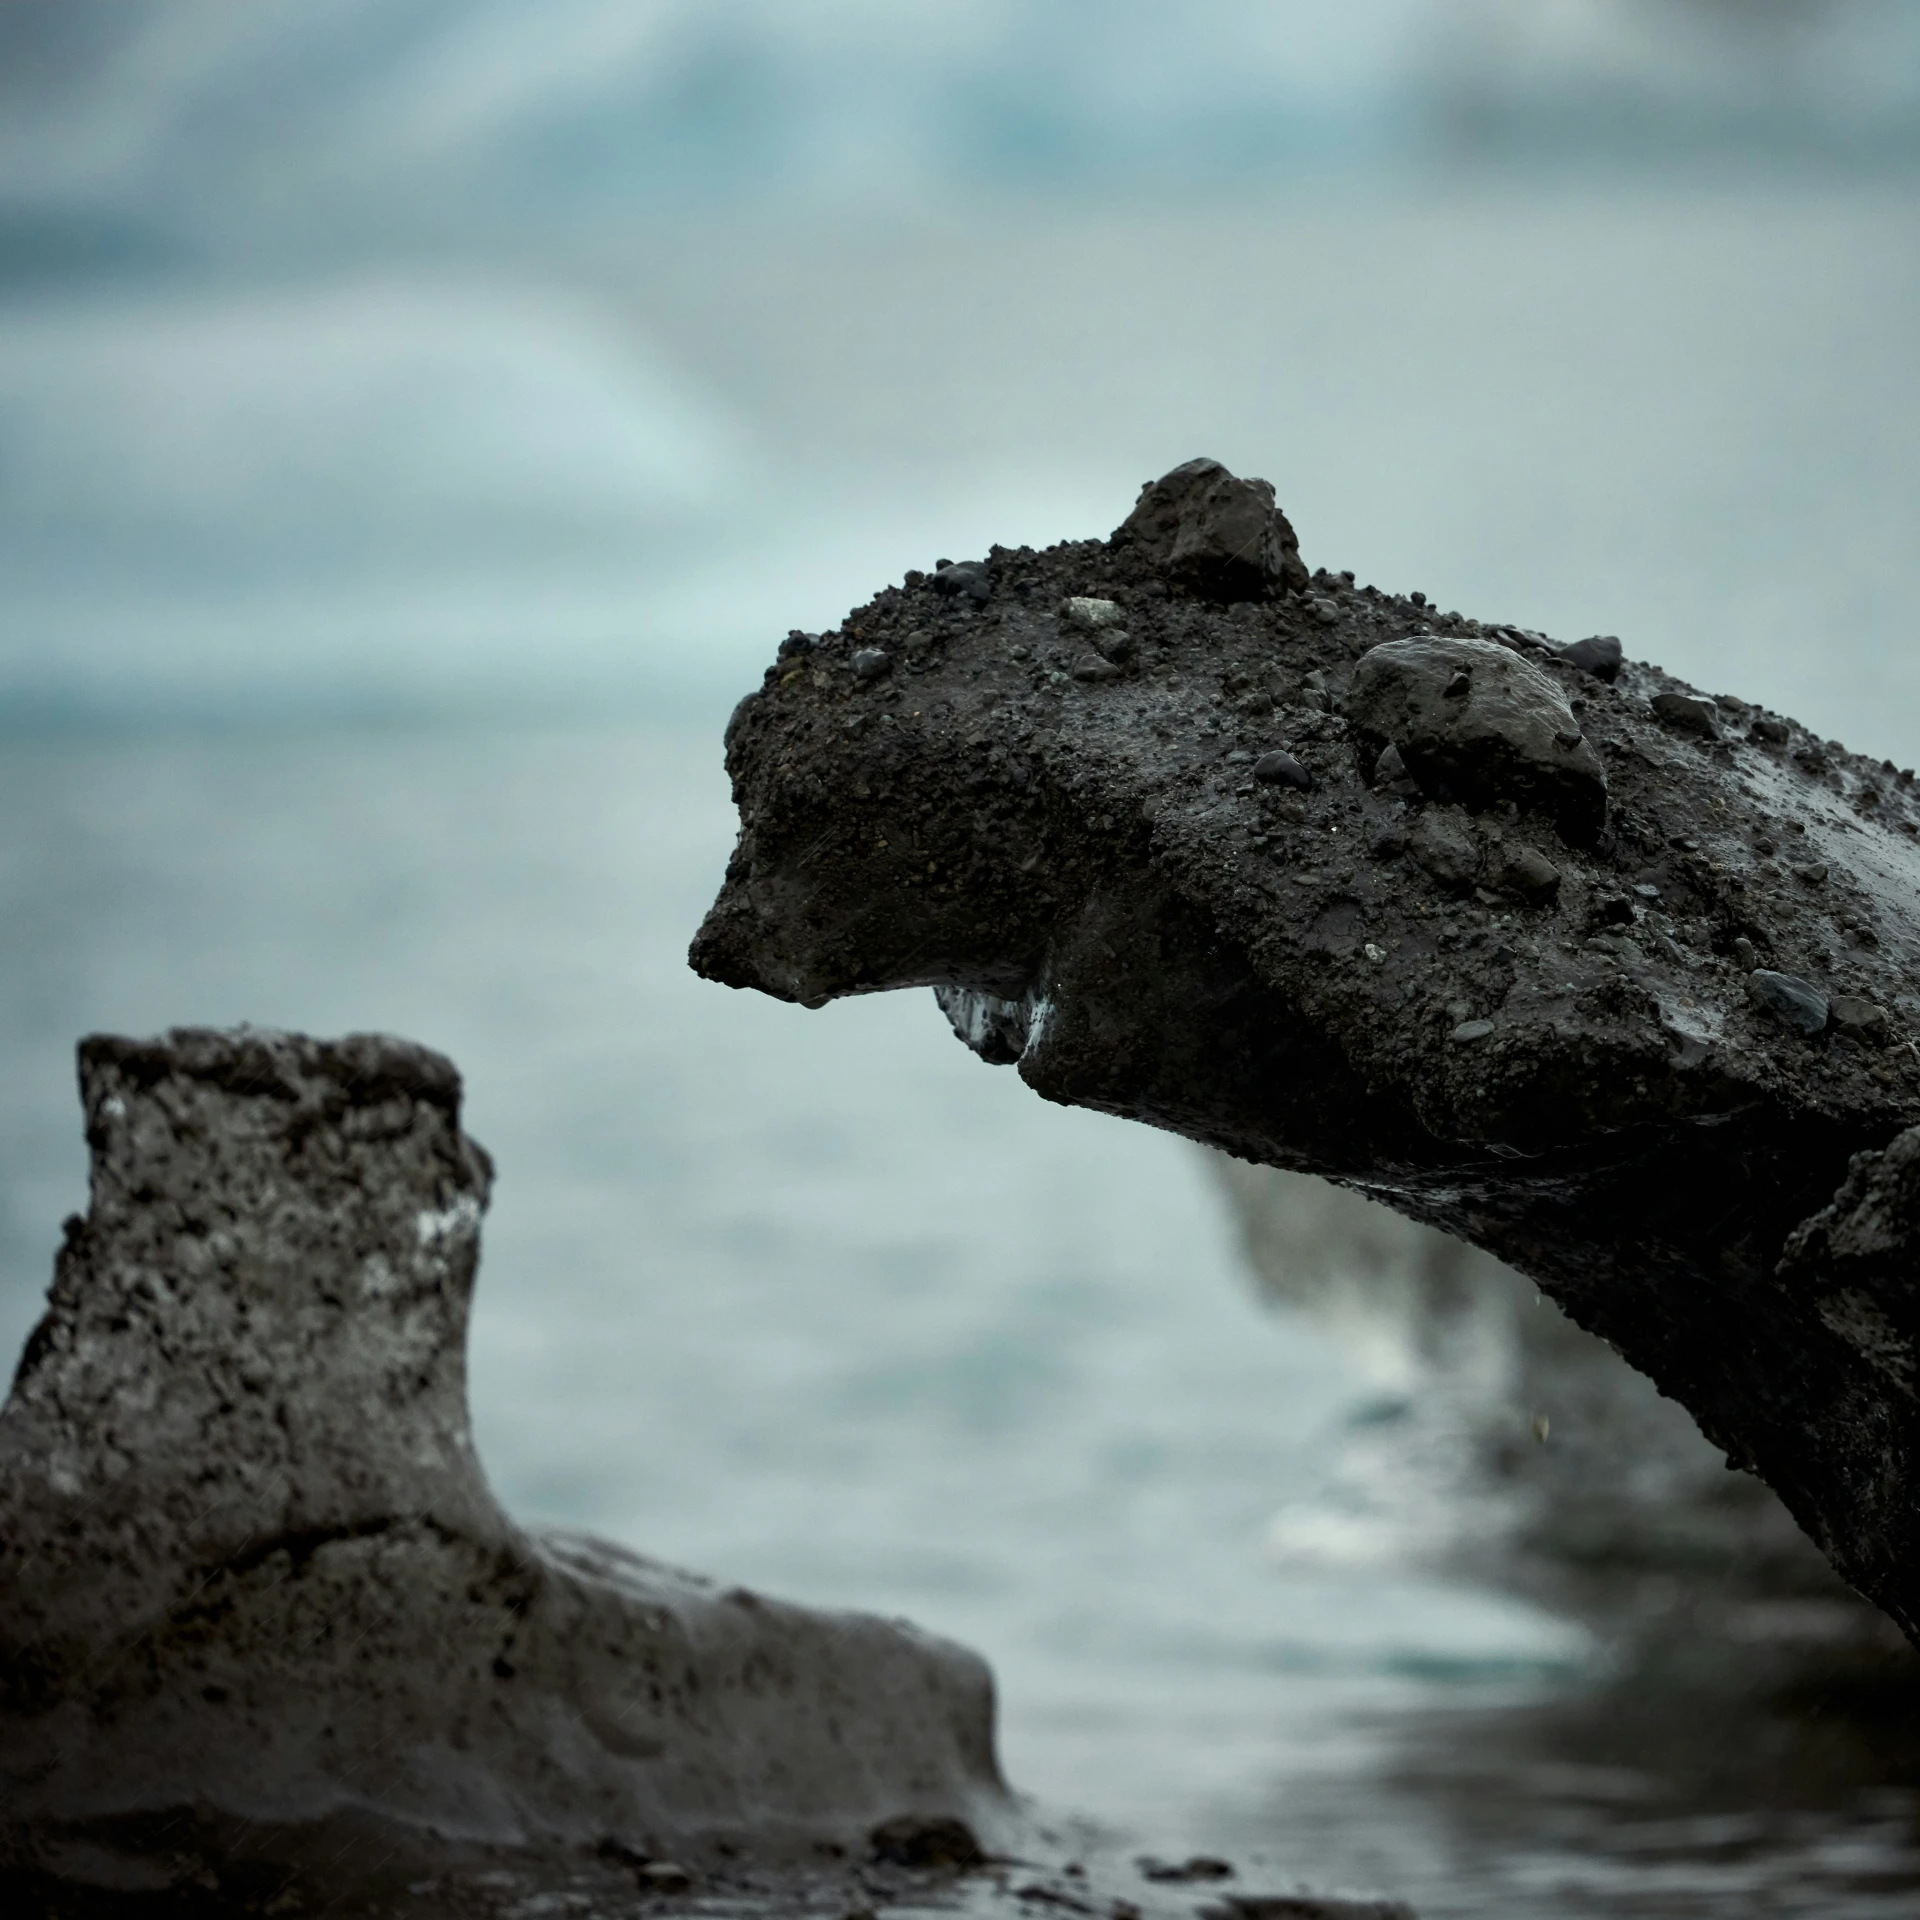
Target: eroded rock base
x: 254, y: 1589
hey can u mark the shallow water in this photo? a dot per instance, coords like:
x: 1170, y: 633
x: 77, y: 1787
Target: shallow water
x: 817, y: 1301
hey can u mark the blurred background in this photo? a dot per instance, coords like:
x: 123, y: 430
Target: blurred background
x: 419, y: 420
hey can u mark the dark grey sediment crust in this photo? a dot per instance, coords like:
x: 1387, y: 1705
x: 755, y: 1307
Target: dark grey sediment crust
x: 255, y: 1592
x: 1611, y: 977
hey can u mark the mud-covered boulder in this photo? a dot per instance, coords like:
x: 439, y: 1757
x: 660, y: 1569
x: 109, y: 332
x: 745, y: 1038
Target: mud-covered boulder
x: 1215, y: 533
x: 1475, y: 722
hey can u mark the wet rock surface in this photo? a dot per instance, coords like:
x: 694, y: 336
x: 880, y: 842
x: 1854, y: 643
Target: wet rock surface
x: 254, y: 1590
x: 1098, y: 889
x: 1475, y: 722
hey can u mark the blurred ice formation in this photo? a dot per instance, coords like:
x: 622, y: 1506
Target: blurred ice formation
x: 1505, y: 1443
x: 1836, y: 79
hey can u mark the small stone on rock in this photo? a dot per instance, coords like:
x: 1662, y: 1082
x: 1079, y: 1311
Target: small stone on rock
x: 869, y: 663
x: 1096, y: 670
x: 1687, y: 714
x: 1776, y: 733
x: 1798, y: 1003
x: 1529, y: 875
x: 925, y: 1840
x: 1600, y: 656
x: 1389, y: 767
x: 1090, y: 614
x: 1445, y: 850
x: 1217, y: 534
x: 1472, y: 1030
x: 1497, y: 742
x: 962, y: 579
x: 1860, y: 1019
x: 1279, y: 769
x: 663, y: 1876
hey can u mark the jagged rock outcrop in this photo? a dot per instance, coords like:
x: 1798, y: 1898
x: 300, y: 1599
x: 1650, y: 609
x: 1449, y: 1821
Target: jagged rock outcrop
x: 251, y: 1572
x: 1559, y: 1033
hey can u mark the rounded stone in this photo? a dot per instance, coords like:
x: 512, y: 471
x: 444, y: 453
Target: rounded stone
x: 1600, y: 655
x: 1794, y: 1002
x: 1508, y: 735
x: 1278, y: 769
x: 1687, y: 713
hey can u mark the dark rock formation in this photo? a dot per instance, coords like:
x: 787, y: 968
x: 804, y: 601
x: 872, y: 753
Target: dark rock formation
x: 1537, y: 1032
x: 251, y: 1575
x: 1216, y: 534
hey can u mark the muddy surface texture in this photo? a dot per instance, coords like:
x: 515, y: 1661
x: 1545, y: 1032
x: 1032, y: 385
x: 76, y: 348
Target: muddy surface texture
x: 265, y: 1636
x: 1608, y: 975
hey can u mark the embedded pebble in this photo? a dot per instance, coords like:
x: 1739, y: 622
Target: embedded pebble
x: 1279, y: 769
x: 663, y: 1876
x: 869, y: 663
x: 1507, y: 735
x: 1090, y: 614
x: 1220, y: 535
x: 1776, y: 733
x: 1599, y: 655
x: 1798, y: 1003
x: 1469, y: 1030
x: 1686, y: 713
x: 1095, y: 670
x: 1389, y: 767
x: 1860, y: 1019
x: 1444, y: 849
x: 1529, y: 875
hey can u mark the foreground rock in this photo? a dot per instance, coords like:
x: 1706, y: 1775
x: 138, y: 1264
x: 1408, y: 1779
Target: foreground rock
x: 1564, y: 1008
x: 254, y: 1588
